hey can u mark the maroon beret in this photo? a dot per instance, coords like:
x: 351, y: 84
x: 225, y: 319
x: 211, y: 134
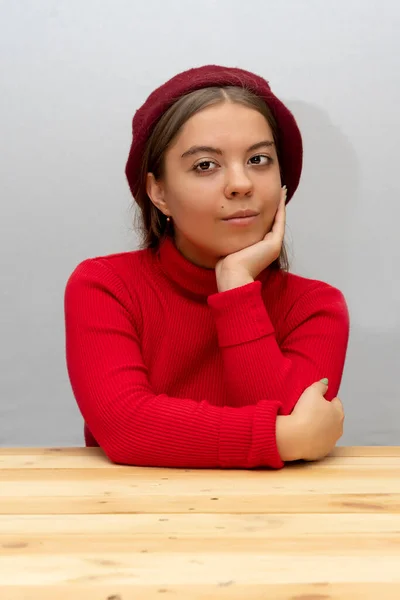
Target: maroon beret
x: 146, y: 117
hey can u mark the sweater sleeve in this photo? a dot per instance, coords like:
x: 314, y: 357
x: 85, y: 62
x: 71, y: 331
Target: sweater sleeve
x: 314, y: 345
x: 131, y: 423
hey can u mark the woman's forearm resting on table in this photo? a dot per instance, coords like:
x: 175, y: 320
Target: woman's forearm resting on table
x: 149, y: 430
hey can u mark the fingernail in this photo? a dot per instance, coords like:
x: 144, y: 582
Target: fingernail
x: 325, y: 381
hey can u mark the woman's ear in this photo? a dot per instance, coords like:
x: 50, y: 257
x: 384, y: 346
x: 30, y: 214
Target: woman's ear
x: 155, y: 191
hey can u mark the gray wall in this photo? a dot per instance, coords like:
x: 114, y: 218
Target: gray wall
x: 72, y: 74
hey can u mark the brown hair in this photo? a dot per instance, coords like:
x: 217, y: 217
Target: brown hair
x: 153, y: 223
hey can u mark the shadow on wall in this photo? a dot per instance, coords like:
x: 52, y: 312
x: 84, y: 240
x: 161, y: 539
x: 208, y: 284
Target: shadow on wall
x: 323, y: 223
x: 322, y: 215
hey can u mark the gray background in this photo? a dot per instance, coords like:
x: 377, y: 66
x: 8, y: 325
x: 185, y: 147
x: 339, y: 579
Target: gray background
x: 72, y: 74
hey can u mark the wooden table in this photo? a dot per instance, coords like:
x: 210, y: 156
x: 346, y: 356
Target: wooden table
x: 72, y: 525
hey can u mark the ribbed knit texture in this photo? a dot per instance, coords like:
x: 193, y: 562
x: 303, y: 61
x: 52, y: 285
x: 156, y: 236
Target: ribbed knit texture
x: 168, y: 372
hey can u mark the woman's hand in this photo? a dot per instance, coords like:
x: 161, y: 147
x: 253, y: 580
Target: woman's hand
x: 319, y: 422
x: 242, y: 267
x: 313, y: 428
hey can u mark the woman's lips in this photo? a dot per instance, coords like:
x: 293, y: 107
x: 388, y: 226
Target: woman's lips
x: 241, y: 221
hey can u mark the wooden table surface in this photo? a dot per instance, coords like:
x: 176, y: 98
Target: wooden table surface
x: 72, y: 525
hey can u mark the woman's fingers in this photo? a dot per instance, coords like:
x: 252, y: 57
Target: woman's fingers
x: 278, y: 228
x: 338, y: 405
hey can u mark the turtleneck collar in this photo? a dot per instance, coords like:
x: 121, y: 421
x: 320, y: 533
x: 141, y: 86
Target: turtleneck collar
x: 188, y: 276
x: 197, y: 280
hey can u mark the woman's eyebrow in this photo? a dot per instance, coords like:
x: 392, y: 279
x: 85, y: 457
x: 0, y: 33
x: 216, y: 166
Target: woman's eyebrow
x: 198, y: 149
x: 263, y: 144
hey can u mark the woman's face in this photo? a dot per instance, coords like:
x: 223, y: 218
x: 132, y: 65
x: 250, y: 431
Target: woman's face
x: 222, y: 162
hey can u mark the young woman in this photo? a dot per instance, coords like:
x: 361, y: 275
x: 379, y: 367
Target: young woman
x: 201, y: 350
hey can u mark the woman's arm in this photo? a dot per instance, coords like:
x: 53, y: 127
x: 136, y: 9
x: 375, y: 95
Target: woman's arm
x: 257, y: 367
x: 130, y: 422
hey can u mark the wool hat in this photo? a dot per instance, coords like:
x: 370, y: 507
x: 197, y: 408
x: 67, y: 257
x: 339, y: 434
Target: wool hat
x: 146, y: 117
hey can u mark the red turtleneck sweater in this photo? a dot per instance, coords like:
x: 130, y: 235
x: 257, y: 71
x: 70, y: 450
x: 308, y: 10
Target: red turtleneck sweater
x: 168, y: 372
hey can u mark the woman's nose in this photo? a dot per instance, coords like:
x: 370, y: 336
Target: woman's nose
x: 238, y: 183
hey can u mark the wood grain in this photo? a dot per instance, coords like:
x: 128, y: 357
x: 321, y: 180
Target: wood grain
x: 222, y: 591
x: 77, y: 526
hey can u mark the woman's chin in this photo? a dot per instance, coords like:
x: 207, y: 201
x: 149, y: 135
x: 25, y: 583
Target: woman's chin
x: 235, y: 245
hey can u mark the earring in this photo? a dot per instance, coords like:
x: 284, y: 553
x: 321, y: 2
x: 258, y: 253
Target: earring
x: 168, y: 219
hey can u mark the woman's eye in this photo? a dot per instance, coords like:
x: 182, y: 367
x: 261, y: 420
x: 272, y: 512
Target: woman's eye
x: 260, y: 159
x: 204, y: 166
